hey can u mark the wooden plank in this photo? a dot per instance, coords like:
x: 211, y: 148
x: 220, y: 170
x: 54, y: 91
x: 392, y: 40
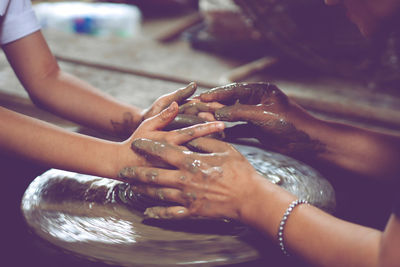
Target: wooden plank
x: 142, y: 56
x: 178, y: 63
x: 134, y: 90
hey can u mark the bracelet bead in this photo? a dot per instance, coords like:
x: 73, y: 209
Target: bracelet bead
x: 283, y: 222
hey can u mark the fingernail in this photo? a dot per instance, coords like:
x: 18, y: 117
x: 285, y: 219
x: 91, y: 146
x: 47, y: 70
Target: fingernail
x: 188, y: 90
x: 192, y: 85
x: 181, y: 211
x: 220, y: 125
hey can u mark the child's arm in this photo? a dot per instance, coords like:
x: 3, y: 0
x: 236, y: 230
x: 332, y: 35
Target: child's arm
x: 71, y: 98
x: 53, y: 146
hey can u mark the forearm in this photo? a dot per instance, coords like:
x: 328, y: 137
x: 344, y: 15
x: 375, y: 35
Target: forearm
x: 63, y: 94
x: 309, y: 232
x: 74, y: 99
x: 282, y: 125
x: 358, y: 150
x: 56, y: 147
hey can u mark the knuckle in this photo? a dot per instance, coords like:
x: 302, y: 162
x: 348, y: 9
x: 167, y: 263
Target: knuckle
x: 182, y: 180
x: 151, y: 176
x: 184, y: 199
x: 160, y: 194
x: 128, y: 172
x: 188, y: 131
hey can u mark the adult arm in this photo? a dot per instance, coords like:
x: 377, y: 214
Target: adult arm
x: 67, y: 96
x: 282, y: 125
x: 220, y: 183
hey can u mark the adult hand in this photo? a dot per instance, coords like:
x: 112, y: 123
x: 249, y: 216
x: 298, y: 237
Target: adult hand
x: 186, y: 116
x: 129, y: 123
x: 152, y: 128
x: 213, y: 184
x: 196, y: 108
x: 276, y: 121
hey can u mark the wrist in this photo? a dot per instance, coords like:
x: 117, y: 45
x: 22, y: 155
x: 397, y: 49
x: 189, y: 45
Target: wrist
x: 264, y: 207
x: 298, y: 134
x: 123, y: 156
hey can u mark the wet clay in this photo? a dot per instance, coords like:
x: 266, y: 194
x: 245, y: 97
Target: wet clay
x: 103, y: 220
x: 164, y: 101
x: 269, y: 115
x: 184, y: 120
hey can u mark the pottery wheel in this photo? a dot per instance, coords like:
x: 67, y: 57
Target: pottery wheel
x: 83, y: 215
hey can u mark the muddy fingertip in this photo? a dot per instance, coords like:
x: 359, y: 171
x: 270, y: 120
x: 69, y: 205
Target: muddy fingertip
x: 187, y: 91
x: 219, y: 125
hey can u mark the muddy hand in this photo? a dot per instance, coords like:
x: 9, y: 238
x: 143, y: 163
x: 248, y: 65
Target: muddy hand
x: 203, y: 110
x: 211, y: 184
x: 164, y: 101
x: 153, y: 128
x: 277, y: 122
x: 184, y: 120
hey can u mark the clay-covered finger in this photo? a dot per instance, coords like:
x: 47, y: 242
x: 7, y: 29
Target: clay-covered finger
x: 183, y: 120
x: 186, y: 134
x: 162, y: 119
x: 168, y: 153
x: 176, y: 212
x: 185, y: 92
x: 221, y: 93
x: 245, y: 93
x: 162, y: 193
x: 164, y: 101
x: 209, y: 145
x: 193, y: 108
x: 155, y: 176
x: 206, y: 116
x: 239, y: 112
x: 179, y: 95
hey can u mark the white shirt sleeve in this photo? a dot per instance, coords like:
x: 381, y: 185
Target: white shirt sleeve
x: 18, y: 21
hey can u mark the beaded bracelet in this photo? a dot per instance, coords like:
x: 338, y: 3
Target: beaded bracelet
x: 283, y: 222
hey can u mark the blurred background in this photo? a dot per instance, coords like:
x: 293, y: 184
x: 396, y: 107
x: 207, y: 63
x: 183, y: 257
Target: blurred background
x: 138, y: 50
